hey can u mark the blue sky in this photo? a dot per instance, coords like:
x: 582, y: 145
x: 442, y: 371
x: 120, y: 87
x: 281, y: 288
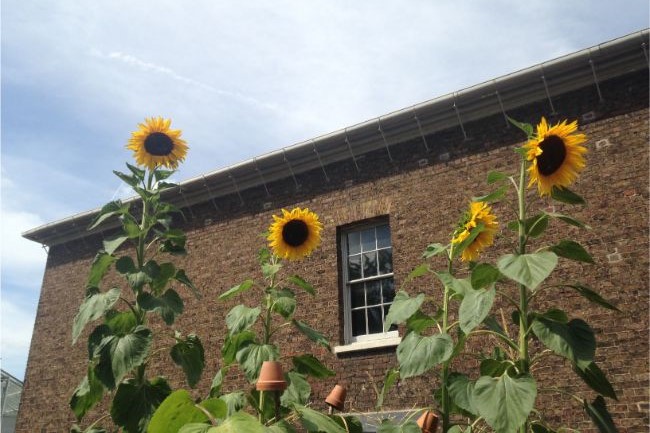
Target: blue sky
x: 240, y: 79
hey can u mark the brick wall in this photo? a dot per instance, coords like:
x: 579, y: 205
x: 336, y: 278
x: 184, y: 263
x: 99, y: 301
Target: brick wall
x: 423, y: 193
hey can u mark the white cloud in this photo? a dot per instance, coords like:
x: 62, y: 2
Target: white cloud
x: 23, y: 261
x: 14, y: 344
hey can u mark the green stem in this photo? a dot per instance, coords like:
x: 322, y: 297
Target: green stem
x: 524, y: 359
x: 445, y: 403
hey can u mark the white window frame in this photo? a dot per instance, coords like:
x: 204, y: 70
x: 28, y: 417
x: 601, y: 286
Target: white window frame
x: 366, y: 341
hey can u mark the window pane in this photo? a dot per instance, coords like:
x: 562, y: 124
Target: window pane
x: 386, y: 261
x: 375, y: 320
x: 358, y: 322
x: 383, y: 236
x: 393, y: 327
x: 354, y: 243
x: 373, y: 292
x: 368, y: 240
x: 387, y: 290
x: 357, y: 295
x: 369, y: 264
x: 354, y: 267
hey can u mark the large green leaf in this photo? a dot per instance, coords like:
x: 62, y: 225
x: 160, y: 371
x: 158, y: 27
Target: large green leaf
x: 193, y: 428
x: 120, y: 322
x: 134, y: 404
x: 597, y: 411
x: 565, y: 195
x: 235, y: 401
x: 493, y: 196
x: 282, y: 427
x: 169, y: 305
x: 238, y: 423
x: 505, y: 402
x: 419, y: 321
x: 527, y: 128
x: 351, y: 424
x: 310, y: 365
x: 112, y: 243
x: 182, y: 278
x: 574, y: 340
x: 592, y: 296
x: 475, y: 307
x: 87, y: 395
x: 418, y: 271
x: 108, y: 210
x: 251, y: 357
x: 118, y: 355
x: 595, y: 378
x: 458, y: 286
x: 101, y: 263
x: 573, y: 251
x: 402, y: 308
x: 311, y: 333
x: 484, y: 275
x: 390, y: 426
x: 434, y: 250
x: 528, y: 269
x: 174, y: 412
x: 234, y: 291
x: 240, y: 318
x: 284, y: 302
x: 461, y: 390
x: 417, y: 354
x: 304, y: 285
x: 567, y: 219
x: 92, y: 308
x: 298, y: 389
x: 188, y: 354
x: 166, y: 272
x: 233, y: 343
x: 314, y: 421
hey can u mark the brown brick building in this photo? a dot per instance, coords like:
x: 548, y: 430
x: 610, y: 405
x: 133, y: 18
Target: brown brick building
x: 400, y: 181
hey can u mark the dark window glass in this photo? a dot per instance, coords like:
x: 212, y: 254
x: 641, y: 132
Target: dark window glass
x: 357, y: 295
x: 358, y: 322
x: 383, y: 236
x: 387, y: 290
x: 385, y: 261
x: 369, y: 264
x: 375, y: 320
x: 368, y: 240
x: 354, y: 267
x: 373, y: 292
x: 354, y: 243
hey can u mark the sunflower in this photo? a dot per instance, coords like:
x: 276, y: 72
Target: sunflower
x: 479, y: 217
x: 154, y: 144
x: 556, y: 155
x: 295, y: 234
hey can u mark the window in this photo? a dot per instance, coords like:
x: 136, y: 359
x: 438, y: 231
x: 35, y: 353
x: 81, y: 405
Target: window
x: 368, y: 286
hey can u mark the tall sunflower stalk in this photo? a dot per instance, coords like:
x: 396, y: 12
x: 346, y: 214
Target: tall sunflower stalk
x: 120, y: 346
x: 504, y: 394
x: 253, y: 326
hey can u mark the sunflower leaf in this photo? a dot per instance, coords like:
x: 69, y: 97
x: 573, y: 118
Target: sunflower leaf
x: 493, y: 196
x: 128, y: 179
x: 182, y: 278
x: 310, y: 365
x: 526, y: 127
x: 304, y: 285
x: 474, y: 308
x: 528, y: 269
x: 93, y: 307
x: 565, y: 195
x: 592, y: 296
x: 418, y: 271
x: 505, y: 402
x: 434, y: 250
x: 402, y: 308
x: 569, y: 220
x: 595, y: 378
x: 418, y: 354
x: 597, y: 411
x: 137, y: 172
x: 161, y: 174
x: 235, y: 290
x: 311, y: 333
x: 573, y: 251
x: 496, y: 176
x: 190, y: 356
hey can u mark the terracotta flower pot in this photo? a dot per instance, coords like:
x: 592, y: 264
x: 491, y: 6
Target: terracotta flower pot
x: 336, y: 398
x: 428, y: 422
x: 271, y: 377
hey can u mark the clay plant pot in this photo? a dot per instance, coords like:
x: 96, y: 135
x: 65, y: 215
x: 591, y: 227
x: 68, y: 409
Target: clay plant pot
x: 336, y: 398
x: 428, y: 422
x: 271, y: 377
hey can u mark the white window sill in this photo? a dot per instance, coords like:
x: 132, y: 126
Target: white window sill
x: 367, y: 345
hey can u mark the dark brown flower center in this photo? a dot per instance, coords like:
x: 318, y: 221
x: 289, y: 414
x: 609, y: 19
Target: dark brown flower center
x: 295, y: 233
x: 553, y: 154
x: 158, y: 144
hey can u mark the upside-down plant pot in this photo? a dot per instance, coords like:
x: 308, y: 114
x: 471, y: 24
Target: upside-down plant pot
x: 271, y: 377
x: 336, y: 397
x: 428, y: 422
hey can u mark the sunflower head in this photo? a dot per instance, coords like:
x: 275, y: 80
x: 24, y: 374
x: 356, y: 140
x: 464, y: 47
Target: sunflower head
x: 475, y: 230
x: 295, y: 234
x: 154, y: 144
x: 556, y: 155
